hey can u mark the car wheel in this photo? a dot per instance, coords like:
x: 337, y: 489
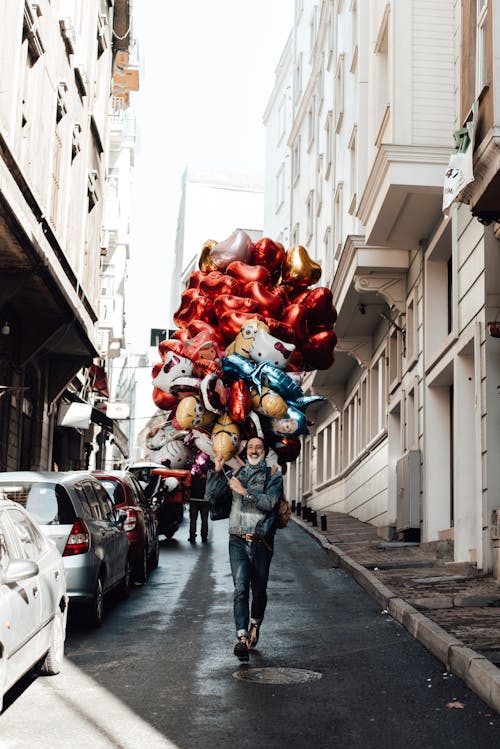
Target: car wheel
x: 155, y: 558
x: 52, y: 663
x: 96, y: 609
x: 141, y: 572
x: 124, y: 586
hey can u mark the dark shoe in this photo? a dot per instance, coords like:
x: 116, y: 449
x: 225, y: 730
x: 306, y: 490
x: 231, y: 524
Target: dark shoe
x: 191, y: 540
x: 204, y: 540
x: 241, y: 649
x: 253, y: 635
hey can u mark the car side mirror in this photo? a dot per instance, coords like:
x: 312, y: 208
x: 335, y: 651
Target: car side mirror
x: 20, y: 569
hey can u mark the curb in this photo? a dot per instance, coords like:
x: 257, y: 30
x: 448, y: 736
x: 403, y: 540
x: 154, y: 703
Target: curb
x: 480, y: 674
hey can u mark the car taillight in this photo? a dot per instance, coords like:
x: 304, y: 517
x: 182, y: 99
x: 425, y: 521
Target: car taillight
x: 78, y: 540
x: 131, y: 520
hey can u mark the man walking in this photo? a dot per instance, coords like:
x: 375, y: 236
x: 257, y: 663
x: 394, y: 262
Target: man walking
x: 256, y: 489
x: 198, y: 503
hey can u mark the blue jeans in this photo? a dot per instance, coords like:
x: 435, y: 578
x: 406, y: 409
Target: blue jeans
x: 250, y: 562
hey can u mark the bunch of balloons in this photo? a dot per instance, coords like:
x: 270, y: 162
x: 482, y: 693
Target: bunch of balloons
x: 249, y: 325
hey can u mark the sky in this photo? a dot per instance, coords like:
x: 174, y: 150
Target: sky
x: 206, y: 75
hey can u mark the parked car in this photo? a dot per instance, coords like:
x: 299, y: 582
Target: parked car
x: 33, y: 600
x: 166, y: 493
x: 75, y: 511
x: 141, y: 524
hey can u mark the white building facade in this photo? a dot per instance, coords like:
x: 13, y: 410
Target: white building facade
x: 409, y: 436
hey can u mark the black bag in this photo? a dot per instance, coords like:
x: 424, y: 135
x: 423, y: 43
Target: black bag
x: 220, y: 506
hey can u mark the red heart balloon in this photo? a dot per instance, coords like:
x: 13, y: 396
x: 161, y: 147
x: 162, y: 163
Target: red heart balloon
x: 318, y: 352
x: 185, y: 312
x: 244, y: 273
x: 194, y: 306
x: 269, y: 254
x: 165, y: 401
x: 269, y: 301
x: 321, y: 313
x: 240, y: 402
x: 180, y: 335
x: 198, y: 326
x: 195, y: 279
x: 295, y: 315
x: 232, y: 322
x: 281, y: 330
x: 216, y: 283
x: 171, y: 345
x: 227, y: 302
x: 296, y: 362
x: 296, y: 294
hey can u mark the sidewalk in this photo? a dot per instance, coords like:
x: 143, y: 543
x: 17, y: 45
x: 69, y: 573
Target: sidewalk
x: 450, y: 608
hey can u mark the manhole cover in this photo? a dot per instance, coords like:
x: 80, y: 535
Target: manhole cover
x: 277, y: 675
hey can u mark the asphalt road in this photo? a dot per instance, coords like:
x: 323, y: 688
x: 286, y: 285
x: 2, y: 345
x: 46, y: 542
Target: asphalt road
x: 331, y: 670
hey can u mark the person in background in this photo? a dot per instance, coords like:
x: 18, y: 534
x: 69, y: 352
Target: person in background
x: 256, y: 489
x: 198, y: 504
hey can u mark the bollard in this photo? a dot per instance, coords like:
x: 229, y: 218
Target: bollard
x: 293, y: 505
x: 314, y: 518
x: 299, y: 509
x: 323, y: 523
x: 307, y: 513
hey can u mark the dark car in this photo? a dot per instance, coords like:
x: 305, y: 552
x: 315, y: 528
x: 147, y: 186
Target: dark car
x: 75, y: 512
x: 141, y: 524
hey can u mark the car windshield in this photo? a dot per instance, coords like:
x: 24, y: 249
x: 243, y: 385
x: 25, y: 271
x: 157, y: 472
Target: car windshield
x: 47, y: 502
x: 114, y: 490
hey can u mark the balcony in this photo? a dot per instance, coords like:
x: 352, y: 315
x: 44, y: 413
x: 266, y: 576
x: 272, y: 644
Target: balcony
x: 403, y: 196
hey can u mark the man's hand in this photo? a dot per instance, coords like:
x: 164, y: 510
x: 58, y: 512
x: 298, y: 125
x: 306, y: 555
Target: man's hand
x: 219, y: 462
x: 236, y: 485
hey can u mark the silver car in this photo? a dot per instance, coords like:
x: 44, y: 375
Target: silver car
x: 33, y: 601
x: 75, y: 511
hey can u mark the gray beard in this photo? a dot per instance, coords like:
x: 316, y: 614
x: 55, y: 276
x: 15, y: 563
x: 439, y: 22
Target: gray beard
x: 254, y: 461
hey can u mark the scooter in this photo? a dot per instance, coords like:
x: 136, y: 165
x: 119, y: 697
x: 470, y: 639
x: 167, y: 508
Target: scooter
x: 167, y: 491
x: 170, y: 498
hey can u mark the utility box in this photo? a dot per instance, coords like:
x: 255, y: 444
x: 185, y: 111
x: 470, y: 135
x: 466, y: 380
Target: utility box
x: 408, y: 483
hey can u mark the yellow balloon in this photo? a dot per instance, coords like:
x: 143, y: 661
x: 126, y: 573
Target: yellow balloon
x: 225, y: 437
x: 268, y: 403
x: 205, y: 263
x: 298, y: 268
x: 191, y: 413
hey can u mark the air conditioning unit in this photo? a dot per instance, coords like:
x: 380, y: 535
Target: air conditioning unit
x: 408, y: 482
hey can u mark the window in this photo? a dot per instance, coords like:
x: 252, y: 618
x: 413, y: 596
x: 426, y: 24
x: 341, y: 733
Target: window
x: 280, y: 187
x: 411, y: 341
x: 296, y: 234
x: 338, y: 215
x: 378, y: 390
x: 481, y: 46
x: 319, y: 183
x: 296, y: 160
x: 297, y: 82
x: 281, y: 118
x: 352, y: 169
x: 382, y: 72
x: 312, y: 29
x: 310, y: 215
x: 329, y: 143
x: 339, y: 93
x: 29, y: 537
x: 311, y: 123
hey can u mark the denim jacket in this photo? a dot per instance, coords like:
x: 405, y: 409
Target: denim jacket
x: 252, y: 512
